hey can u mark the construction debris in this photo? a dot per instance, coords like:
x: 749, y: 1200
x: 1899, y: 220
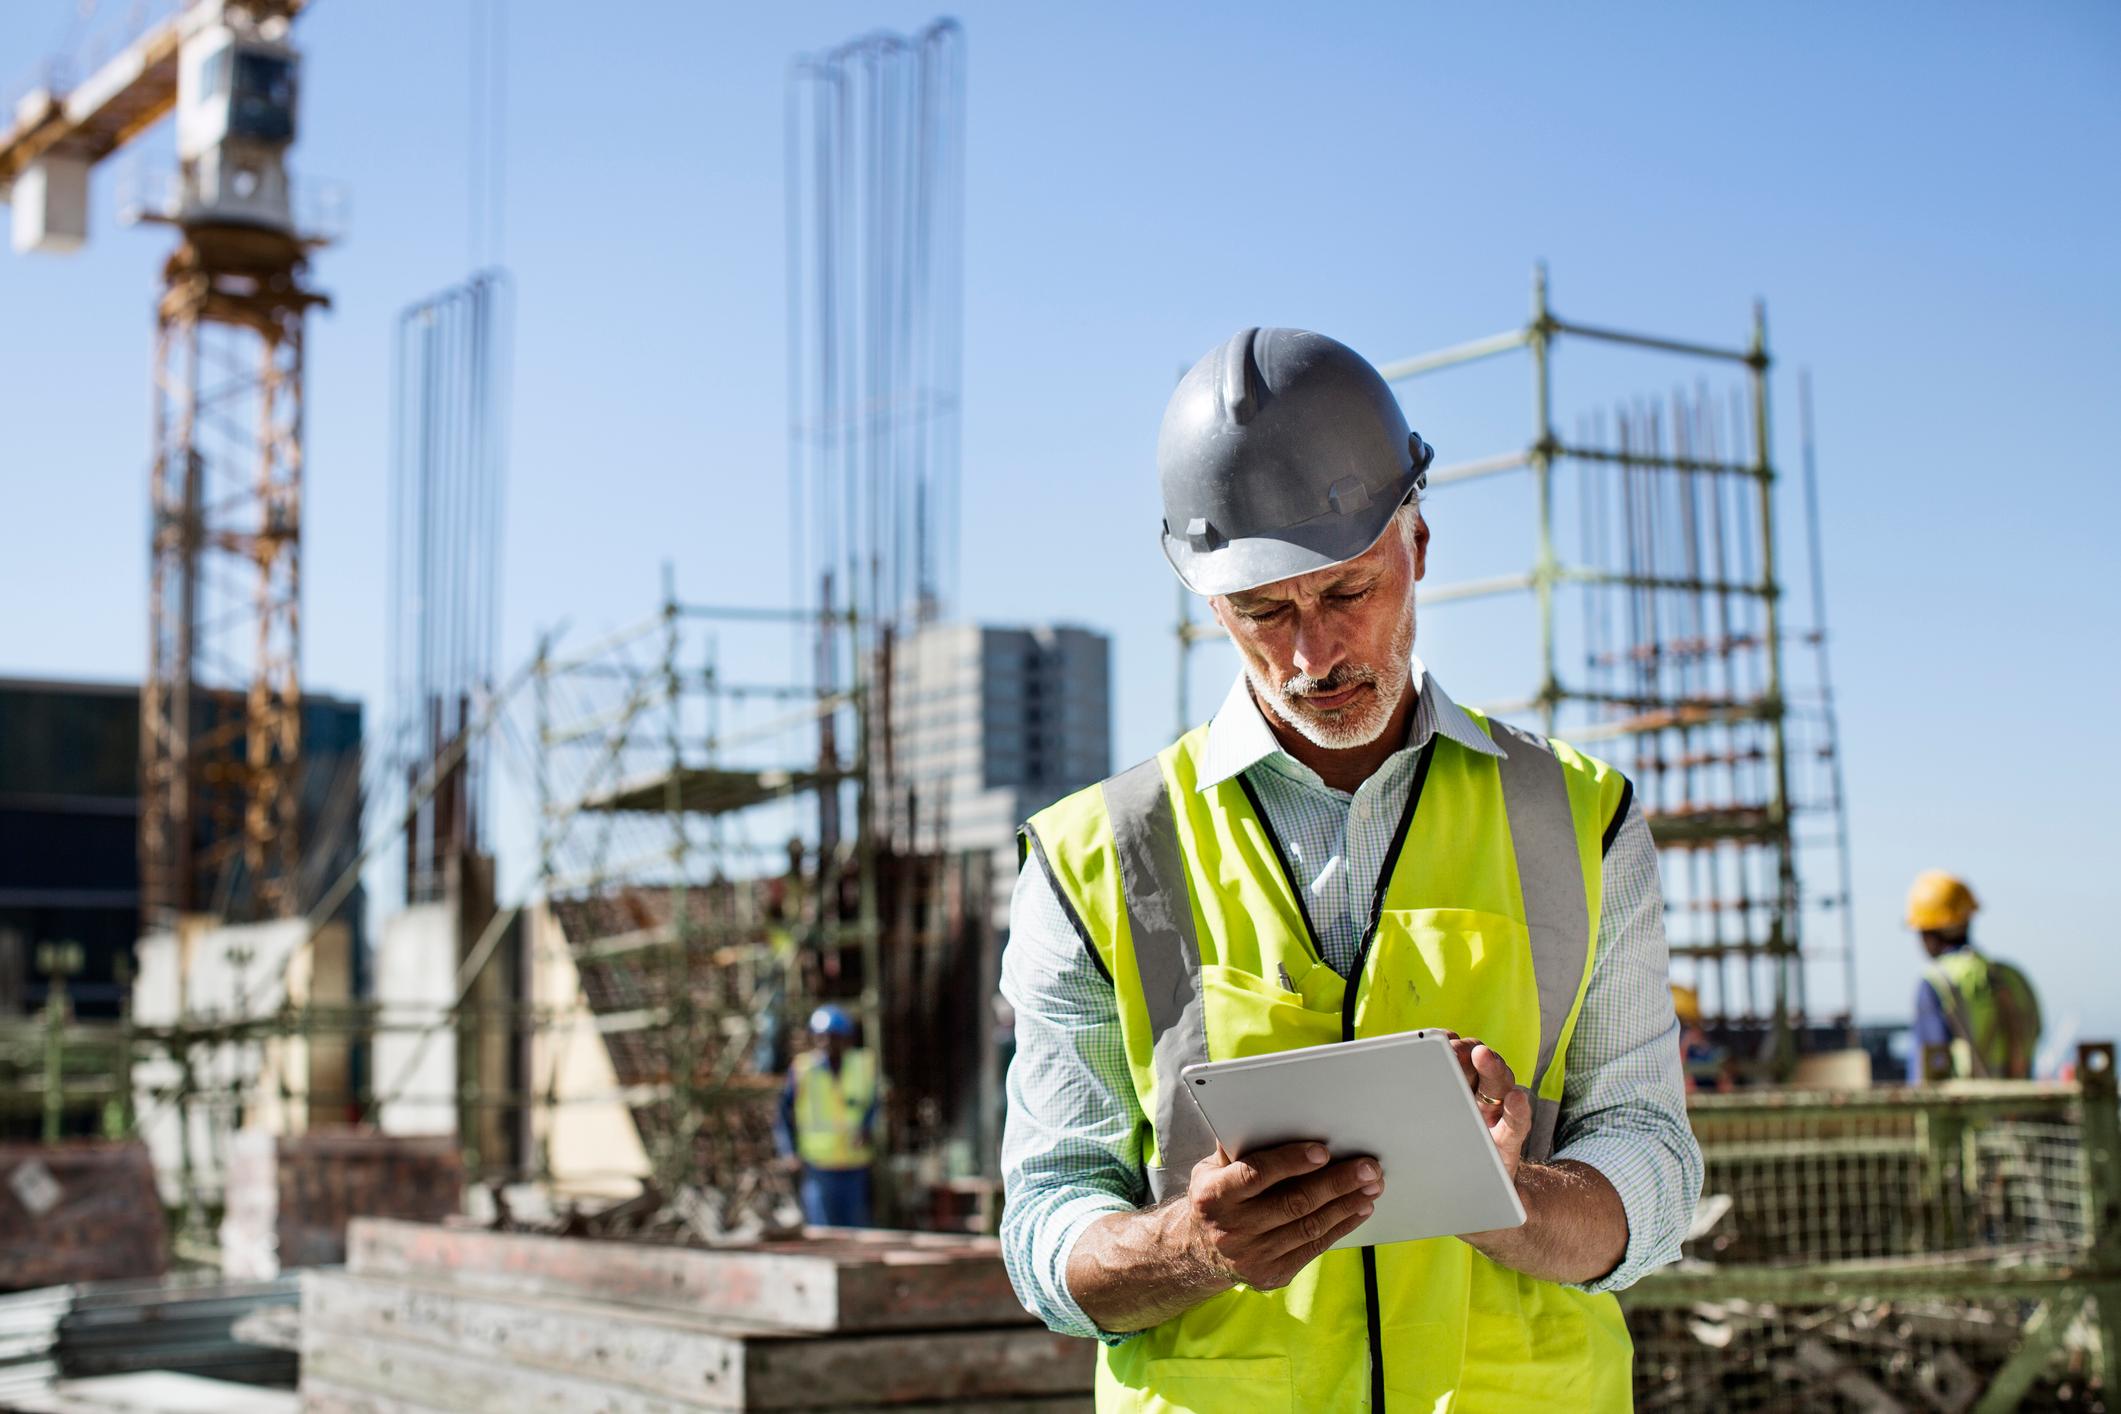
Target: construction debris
x: 693, y: 1216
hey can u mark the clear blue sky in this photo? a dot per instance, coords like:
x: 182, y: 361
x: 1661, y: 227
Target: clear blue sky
x: 1924, y: 195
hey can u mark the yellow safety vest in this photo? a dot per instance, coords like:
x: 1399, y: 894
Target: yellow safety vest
x: 1225, y: 964
x: 1991, y: 1011
x: 829, y: 1109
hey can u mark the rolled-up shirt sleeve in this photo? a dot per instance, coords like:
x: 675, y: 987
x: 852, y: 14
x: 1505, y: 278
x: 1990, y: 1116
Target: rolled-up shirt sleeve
x: 1072, y: 1142
x: 1623, y: 1103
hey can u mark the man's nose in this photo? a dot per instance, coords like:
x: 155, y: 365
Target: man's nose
x: 1317, y: 650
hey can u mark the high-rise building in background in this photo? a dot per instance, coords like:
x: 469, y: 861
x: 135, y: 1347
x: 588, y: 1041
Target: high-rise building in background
x: 69, y: 829
x: 990, y: 725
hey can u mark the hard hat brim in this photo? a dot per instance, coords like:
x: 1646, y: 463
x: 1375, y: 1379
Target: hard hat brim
x: 1317, y: 544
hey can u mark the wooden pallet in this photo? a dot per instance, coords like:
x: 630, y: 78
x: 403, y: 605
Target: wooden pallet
x: 445, y: 1319
x: 834, y: 1280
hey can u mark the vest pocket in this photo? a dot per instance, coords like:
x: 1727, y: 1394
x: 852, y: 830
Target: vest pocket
x: 1248, y: 1015
x: 1183, y: 1386
x: 1458, y: 968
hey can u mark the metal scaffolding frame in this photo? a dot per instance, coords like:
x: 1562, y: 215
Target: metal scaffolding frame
x: 1678, y: 666
x: 700, y: 941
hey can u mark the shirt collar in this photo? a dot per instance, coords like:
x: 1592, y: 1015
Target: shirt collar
x: 1239, y: 737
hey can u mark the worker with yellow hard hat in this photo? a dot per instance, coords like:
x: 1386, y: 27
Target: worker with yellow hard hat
x: 1708, y: 1065
x: 1982, y: 1009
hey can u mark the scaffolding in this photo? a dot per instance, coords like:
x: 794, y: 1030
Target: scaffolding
x: 643, y: 840
x: 1662, y: 641
x: 678, y: 882
x: 706, y: 908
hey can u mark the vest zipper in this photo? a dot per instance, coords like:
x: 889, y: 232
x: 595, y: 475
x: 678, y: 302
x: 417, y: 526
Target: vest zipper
x: 1373, y: 1307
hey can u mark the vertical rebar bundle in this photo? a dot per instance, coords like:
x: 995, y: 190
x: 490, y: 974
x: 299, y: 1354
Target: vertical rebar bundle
x: 448, y: 466
x: 875, y: 198
x: 875, y: 183
x: 1679, y: 661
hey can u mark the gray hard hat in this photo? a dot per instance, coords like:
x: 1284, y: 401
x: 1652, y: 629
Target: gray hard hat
x: 1281, y: 452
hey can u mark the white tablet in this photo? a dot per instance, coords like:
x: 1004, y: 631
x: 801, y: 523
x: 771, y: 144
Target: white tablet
x: 1401, y: 1100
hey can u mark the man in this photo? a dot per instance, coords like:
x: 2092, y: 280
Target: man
x: 1341, y: 852
x: 1981, y: 1011
x: 1706, y: 1065
x: 826, y: 1118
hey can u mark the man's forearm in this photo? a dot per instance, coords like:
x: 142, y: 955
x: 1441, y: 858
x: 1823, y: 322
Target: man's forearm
x: 1131, y: 1271
x: 1575, y: 1228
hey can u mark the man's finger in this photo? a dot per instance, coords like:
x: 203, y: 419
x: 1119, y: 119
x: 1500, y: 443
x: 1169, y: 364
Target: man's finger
x: 1319, y: 1222
x: 1462, y: 1052
x: 1299, y: 1198
x: 1494, y: 1079
x: 1260, y: 1170
x: 1310, y: 1252
x: 1512, y: 1127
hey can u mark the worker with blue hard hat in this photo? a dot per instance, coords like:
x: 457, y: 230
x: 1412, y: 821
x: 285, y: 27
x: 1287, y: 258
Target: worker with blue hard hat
x: 827, y: 1120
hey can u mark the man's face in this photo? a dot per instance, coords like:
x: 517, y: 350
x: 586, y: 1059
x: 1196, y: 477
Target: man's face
x: 1329, y: 653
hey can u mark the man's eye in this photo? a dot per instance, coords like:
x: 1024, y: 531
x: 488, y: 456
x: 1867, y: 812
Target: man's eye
x: 1355, y: 597
x: 1265, y: 616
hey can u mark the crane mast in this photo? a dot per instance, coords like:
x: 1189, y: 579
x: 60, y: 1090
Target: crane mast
x: 220, y: 705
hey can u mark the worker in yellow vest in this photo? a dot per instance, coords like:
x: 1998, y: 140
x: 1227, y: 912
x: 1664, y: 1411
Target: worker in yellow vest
x: 1981, y: 1008
x: 827, y: 1120
x: 1341, y: 852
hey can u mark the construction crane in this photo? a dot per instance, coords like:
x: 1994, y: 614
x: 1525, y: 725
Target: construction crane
x: 220, y: 707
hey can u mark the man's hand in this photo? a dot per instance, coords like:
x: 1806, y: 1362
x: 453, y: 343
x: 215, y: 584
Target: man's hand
x: 1575, y: 1229
x: 1259, y: 1220
x: 1263, y: 1218
x: 1506, y: 1108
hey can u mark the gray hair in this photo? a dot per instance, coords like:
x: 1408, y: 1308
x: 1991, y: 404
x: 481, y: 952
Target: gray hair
x: 1408, y: 519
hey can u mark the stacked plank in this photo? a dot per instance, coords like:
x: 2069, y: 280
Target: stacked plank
x: 29, y: 1340
x: 183, y: 1322
x: 434, y: 1319
x: 290, y: 1196
x: 78, y: 1211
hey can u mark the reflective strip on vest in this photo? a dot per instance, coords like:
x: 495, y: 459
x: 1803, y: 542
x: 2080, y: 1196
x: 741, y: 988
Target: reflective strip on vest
x: 1960, y: 1016
x: 1167, y: 957
x: 1550, y: 875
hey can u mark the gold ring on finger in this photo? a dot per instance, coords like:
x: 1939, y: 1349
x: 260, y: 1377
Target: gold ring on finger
x: 1484, y: 1099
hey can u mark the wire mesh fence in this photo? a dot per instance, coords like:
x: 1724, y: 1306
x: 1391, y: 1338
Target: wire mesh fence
x: 1941, y: 1248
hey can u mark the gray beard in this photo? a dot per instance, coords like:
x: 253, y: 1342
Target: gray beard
x: 1360, y: 723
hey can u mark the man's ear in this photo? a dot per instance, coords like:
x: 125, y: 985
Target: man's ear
x: 1421, y: 545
